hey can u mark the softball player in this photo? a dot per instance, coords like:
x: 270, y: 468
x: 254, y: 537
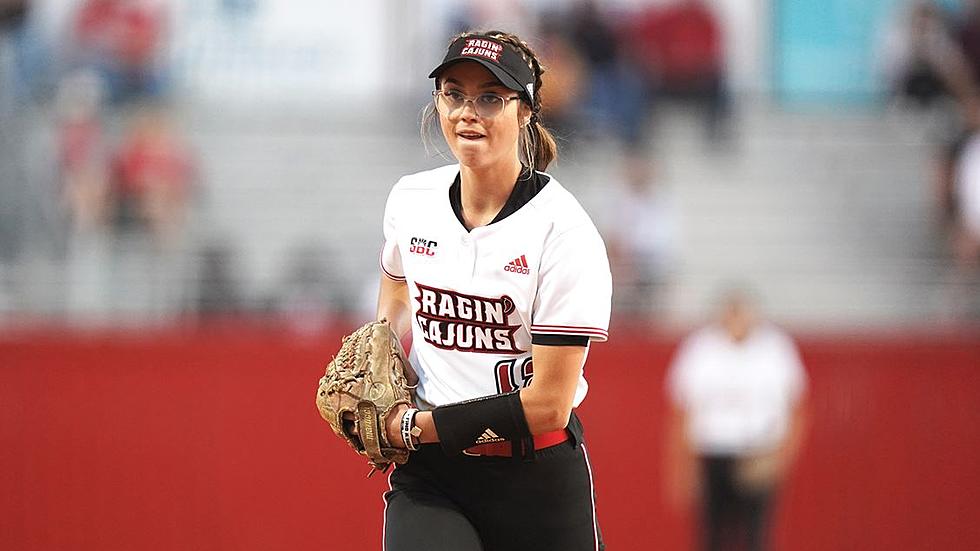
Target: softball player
x: 503, y: 281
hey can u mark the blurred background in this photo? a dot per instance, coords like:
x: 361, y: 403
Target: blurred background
x: 191, y: 194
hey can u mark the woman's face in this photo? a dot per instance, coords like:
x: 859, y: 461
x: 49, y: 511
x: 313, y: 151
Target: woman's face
x: 479, y: 142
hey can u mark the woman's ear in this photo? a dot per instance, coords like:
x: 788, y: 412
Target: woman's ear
x: 524, y: 115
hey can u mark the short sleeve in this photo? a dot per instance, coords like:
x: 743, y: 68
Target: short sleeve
x: 391, y: 260
x: 574, y: 286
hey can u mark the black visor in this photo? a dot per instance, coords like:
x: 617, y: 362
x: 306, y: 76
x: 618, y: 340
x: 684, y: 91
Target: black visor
x: 500, y: 58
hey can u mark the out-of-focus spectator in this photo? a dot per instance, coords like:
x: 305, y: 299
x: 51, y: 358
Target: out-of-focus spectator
x: 152, y: 174
x: 925, y: 67
x: 737, y: 388
x: 12, y: 12
x: 82, y: 151
x: 83, y: 170
x: 562, y: 80
x: 680, y: 49
x: 920, y: 61
x: 968, y: 36
x: 15, y: 37
x: 641, y: 233
x: 962, y: 300
x: 616, y: 94
x: 123, y: 41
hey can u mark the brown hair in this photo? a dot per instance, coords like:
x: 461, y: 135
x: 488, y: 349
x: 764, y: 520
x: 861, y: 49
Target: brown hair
x: 536, y: 145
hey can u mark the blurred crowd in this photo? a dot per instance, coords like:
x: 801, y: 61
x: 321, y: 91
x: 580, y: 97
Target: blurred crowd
x: 116, y: 176
x: 610, y: 67
x: 98, y: 176
x: 125, y: 180
x: 930, y: 62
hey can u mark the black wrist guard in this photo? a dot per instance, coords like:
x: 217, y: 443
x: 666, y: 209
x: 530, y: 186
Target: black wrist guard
x: 480, y: 421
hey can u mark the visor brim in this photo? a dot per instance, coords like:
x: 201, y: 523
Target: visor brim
x: 502, y: 75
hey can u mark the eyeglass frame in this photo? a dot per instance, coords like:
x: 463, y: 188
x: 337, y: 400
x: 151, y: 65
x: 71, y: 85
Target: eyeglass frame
x: 472, y: 100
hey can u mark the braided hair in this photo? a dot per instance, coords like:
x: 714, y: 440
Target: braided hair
x: 537, y: 145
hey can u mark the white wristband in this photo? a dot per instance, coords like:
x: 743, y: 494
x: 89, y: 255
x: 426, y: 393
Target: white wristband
x: 408, y: 422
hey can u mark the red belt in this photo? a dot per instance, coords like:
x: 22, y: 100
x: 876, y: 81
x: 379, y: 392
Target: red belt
x: 505, y: 448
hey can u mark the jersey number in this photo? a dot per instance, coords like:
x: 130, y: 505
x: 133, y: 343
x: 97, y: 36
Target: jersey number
x: 504, y: 373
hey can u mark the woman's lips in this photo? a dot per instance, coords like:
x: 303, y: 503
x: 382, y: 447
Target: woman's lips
x: 470, y: 135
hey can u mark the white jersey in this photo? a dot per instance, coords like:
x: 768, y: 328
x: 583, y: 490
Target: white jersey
x: 738, y: 396
x: 478, y: 296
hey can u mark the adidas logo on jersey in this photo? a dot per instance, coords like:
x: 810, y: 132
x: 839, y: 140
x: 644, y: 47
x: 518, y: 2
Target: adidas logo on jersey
x: 489, y: 436
x: 518, y: 265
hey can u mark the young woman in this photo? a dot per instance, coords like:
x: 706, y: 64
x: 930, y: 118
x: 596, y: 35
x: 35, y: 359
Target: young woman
x: 503, y: 280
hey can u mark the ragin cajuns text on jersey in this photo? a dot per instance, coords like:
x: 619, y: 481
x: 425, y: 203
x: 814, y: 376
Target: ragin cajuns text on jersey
x: 456, y: 321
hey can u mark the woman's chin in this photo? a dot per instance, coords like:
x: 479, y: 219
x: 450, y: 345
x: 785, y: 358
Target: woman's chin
x: 471, y: 156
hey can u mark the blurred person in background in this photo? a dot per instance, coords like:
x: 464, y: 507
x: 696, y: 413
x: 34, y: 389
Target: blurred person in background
x: 679, y: 47
x: 83, y: 162
x: 642, y: 234
x: 967, y: 34
x: 616, y: 96
x: 123, y: 41
x: 16, y: 55
x: 925, y: 67
x: 737, y: 389
x: 921, y: 61
x: 83, y: 171
x: 152, y: 173
x: 564, y: 81
x: 13, y: 17
x: 963, y: 300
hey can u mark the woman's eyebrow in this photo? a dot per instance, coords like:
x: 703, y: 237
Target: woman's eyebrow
x: 488, y: 84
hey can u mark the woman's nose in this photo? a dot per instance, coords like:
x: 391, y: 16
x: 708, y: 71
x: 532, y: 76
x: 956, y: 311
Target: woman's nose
x: 468, y: 111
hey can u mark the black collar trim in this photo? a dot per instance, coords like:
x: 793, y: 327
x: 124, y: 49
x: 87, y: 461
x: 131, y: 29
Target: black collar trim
x: 524, y: 190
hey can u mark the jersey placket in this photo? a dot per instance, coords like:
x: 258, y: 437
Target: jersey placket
x: 468, y: 253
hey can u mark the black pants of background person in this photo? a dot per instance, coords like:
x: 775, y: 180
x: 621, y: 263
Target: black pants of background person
x: 732, y: 517
x: 439, y: 503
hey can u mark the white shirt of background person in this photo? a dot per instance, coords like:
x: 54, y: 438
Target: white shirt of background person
x: 738, y: 394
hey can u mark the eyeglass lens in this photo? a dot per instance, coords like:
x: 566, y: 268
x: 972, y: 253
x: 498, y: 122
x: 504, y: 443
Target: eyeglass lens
x: 486, y: 105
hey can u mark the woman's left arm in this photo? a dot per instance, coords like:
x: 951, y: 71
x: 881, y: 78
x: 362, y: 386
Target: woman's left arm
x: 548, y: 399
x: 547, y: 402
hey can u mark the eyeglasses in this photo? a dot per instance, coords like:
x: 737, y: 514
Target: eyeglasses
x: 487, y: 106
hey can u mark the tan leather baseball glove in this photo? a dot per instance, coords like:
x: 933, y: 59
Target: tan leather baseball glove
x: 363, y: 383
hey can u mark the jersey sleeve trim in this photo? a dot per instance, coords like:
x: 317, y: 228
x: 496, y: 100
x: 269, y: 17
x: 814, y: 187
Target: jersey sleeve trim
x: 559, y: 339
x: 389, y: 274
x: 594, y: 333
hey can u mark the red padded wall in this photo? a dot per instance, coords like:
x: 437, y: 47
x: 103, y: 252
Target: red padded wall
x: 209, y: 439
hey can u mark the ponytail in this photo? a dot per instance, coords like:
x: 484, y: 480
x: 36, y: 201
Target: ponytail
x: 537, y: 146
x: 540, y: 144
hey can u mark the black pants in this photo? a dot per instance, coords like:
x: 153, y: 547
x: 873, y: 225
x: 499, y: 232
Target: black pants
x: 438, y: 503
x: 731, y: 515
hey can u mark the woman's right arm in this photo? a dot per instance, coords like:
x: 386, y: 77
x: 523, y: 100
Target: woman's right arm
x: 393, y: 305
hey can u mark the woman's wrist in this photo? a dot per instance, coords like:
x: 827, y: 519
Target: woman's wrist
x: 423, y: 420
